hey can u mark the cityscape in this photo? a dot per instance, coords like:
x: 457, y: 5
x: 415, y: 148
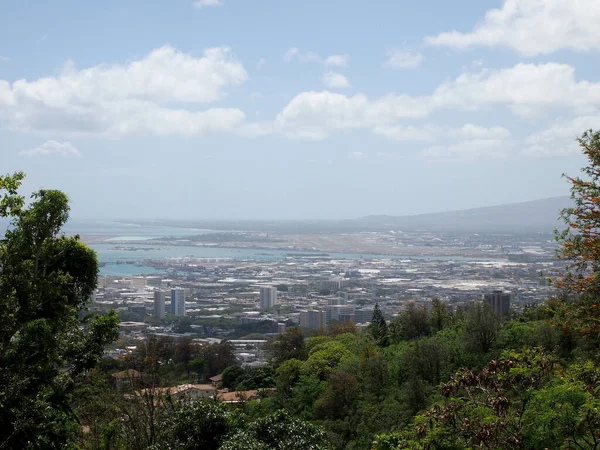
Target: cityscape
x: 300, y: 225
x: 225, y: 298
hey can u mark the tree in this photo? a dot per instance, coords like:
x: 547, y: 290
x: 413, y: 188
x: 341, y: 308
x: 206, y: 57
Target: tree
x: 278, y: 431
x: 288, y: 345
x: 410, y: 324
x: 482, y: 326
x: 378, y: 327
x: 580, y: 241
x: 231, y: 375
x: 439, y: 315
x: 578, y: 309
x: 201, y: 425
x: 45, y: 280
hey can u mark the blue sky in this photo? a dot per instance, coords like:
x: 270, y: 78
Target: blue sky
x: 250, y: 109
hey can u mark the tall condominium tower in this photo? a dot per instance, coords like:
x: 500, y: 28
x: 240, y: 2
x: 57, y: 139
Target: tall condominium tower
x: 159, y: 304
x: 178, y: 301
x: 500, y: 301
x: 268, y: 297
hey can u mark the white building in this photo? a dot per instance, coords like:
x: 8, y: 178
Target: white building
x: 159, y: 304
x: 178, y: 301
x: 268, y: 297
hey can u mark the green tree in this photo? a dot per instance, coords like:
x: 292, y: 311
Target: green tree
x: 278, y: 431
x: 231, y: 375
x: 439, y: 315
x: 482, y: 327
x: 378, y: 328
x: 410, y: 324
x: 201, y: 425
x: 288, y: 345
x: 45, y: 280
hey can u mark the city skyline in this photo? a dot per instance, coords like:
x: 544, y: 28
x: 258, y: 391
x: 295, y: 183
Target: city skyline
x: 379, y: 109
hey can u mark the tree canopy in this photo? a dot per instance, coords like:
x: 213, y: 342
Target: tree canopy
x: 45, y: 280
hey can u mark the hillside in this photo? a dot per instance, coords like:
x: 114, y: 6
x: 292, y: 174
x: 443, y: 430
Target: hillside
x: 537, y: 215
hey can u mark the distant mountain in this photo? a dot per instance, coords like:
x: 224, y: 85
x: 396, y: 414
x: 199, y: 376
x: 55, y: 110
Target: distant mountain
x: 526, y: 217
x: 538, y: 215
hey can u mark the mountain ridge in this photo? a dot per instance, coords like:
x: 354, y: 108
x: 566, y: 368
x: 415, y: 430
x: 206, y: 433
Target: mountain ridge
x: 534, y: 215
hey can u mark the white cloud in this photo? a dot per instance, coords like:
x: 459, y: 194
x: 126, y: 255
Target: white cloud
x: 560, y: 139
x: 526, y: 89
x: 4, y: 59
x: 294, y: 54
x: 118, y: 100
x: 52, y: 148
x: 202, y: 3
x: 467, y: 150
x: 359, y: 156
x: 334, y: 80
x: 290, y: 54
x: 404, y: 59
x: 312, y: 115
x: 532, y: 27
x: 337, y: 60
x: 261, y: 63
x: 463, y: 143
x: 430, y: 132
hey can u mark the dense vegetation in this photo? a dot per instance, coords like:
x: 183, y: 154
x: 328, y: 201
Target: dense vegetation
x: 429, y: 379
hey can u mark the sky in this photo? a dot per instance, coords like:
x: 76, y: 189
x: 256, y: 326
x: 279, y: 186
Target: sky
x: 296, y: 109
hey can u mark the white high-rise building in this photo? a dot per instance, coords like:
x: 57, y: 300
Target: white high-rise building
x: 178, y: 301
x: 268, y: 297
x: 159, y: 304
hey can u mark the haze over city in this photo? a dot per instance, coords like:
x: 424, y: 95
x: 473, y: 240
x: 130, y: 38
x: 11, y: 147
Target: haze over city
x: 248, y: 109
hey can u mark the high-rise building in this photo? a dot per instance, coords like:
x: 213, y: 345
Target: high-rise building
x: 313, y: 319
x: 334, y: 284
x: 178, y: 301
x: 500, y: 301
x: 363, y: 315
x: 335, y: 313
x: 159, y: 304
x: 268, y: 297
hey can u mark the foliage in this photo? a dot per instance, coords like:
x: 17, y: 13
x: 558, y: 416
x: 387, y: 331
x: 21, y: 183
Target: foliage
x: 580, y: 241
x: 288, y: 345
x: 45, y: 280
x: 378, y: 328
x: 201, y: 425
x: 414, y: 322
x: 279, y: 431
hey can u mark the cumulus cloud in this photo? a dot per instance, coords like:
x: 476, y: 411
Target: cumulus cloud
x: 52, y: 148
x: 294, y: 54
x: 203, y: 3
x: 137, y: 98
x: 359, y: 156
x: 403, y: 59
x: 337, y: 60
x: 467, y: 150
x: 335, y: 80
x: 430, y: 132
x: 561, y: 138
x: 525, y: 89
x: 532, y: 27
